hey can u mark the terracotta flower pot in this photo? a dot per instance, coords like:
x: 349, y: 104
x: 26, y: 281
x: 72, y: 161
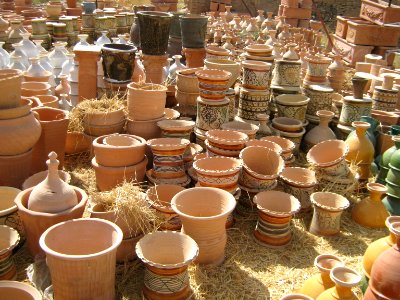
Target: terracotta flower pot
x: 272, y: 146
x: 205, y: 220
x: 109, y: 177
x: 159, y: 197
x: 328, y: 208
x: 117, y: 62
x: 260, y: 174
x: 145, y: 129
x: 14, y: 169
x: 35, y: 179
x: 287, y: 124
x: 186, y: 80
x: 301, y: 183
x: 275, y: 210
x: 213, y: 84
x: 71, y: 251
x: 118, y: 154
x: 227, y: 139
x: 247, y: 128
x: 10, y: 84
x: 8, y: 210
x: 166, y: 256
x: 212, y: 114
x: 218, y: 172
x: 176, y: 128
x: 49, y: 100
x: 23, y: 109
x: 35, y: 223
x: 29, y: 89
x: 224, y: 64
x: 19, y: 290
x: 76, y: 142
x: 102, y: 123
x: 286, y: 145
x: 9, y: 239
x: 54, y: 124
x: 292, y: 106
x: 320, y: 282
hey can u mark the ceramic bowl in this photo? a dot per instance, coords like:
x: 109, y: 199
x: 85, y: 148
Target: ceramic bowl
x: 215, y: 151
x: 23, y: 109
x: 224, y: 64
x: 286, y: 145
x: 287, y: 124
x: 272, y: 146
x: 259, y: 50
x: 227, y: 139
x: 213, y: 84
x: 247, y: 128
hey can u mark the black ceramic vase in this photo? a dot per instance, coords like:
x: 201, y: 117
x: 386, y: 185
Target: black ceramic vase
x: 193, y: 29
x: 118, y: 62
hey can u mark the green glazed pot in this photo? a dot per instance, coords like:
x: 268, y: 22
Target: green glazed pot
x: 393, y: 175
x: 393, y: 189
x: 193, y: 29
x: 387, y: 155
x: 395, y: 158
x: 392, y: 205
x: 383, y: 171
x: 175, y: 29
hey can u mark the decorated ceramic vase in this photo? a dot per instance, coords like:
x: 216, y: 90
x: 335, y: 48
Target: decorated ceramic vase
x: 292, y: 106
x: 320, y: 99
x: 256, y: 74
x: 212, y: 114
x: 117, y: 62
x: 252, y: 103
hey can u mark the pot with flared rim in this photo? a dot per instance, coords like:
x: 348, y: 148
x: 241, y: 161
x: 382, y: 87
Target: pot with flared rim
x: 227, y: 139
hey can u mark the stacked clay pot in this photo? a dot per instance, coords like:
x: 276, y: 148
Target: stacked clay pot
x: 19, y: 130
x: 118, y: 157
x: 187, y: 91
x: 146, y: 103
x: 101, y: 123
x: 221, y: 142
x: 291, y: 129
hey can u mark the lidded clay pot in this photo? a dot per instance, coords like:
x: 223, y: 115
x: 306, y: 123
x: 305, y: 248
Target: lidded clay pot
x: 52, y: 195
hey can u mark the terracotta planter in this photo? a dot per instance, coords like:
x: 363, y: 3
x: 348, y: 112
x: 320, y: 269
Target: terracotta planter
x: 193, y: 30
x: 35, y: 179
x: 379, y: 13
x: 194, y: 57
x: 48, y: 100
x: 186, y: 80
x: 35, y: 223
x: 252, y: 103
x: 213, y: 84
x: 205, y: 220
x: 247, y: 128
x: 29, y: 89
x: 301, y: 183
x: 176, y: 128
x: 76, y: 142
x: 256, y: 75
x: 224, y: 64
x: 97, y: 124
x: 292, y: 106
x: 287, y: 73
x: 14, y: 169
x: 275, y: 210
x: 215, y: 52
x: 9, y: 239
x: 145, y: 129
x: 8, y: 210
x: 70, y: 251
x: 227, y: 139
x: 353, y: 109
x: 271, y: 146
x: 218, y: 172
x: 118, y: 154
x: 287, y: 124
x: 345, y: 279
x: 166, y: 256
x: 54, y: 123
x: 328, y: 208
x: 19, y: 290
x: 10, y: 84
x: 286, y: 145
x: 23, y: 109
x: 317, y: 68
x: 109, y: 177
x: 117, y: 62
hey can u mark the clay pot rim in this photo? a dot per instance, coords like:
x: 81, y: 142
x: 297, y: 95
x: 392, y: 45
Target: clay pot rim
x: 376, y: 187
x: 276, y: 147
x: 213, y: 74
x: 12, y: 74
x: 287, y: 175
x: 325, y: 113
x: 394, y: 228
x: 258, y: 48
x: 280, y: 167
x: 220, y: 61
x: 55, y: 98
x: 361, y: 124
x: 356, y: 280
x: 248, y: 128
x: 345, y: 203
x: 96, y: 165
x: 20, y: 286
x: 98, y: 142
x: 312, y: 161
x: 237, y: 163
x: 295, y: 203
x: 13, y: 207
x: 15, y: 238
x: 232, y: 137
x: 108, y: 140
x: 296, y: 297
x: 286, y: 144
x: 176, y: 125
x: 155, y: 14
x: 157, y: 203
x: 35, y: 86
x: 25, y: 105
x: 320, y: 257
x: 219, y: 51
x: 66, y: 175
x: 256, y: 65
x: 390, y: 220
x: 188, y: 73
x: 221, y: 152
x: 147, y: 87
x: 171, y: 114
x: 288, y: 124
x: 290, y: 99
x: 114, y: 48
x: 170, y: 143
x: 116, y: 240
x: 172, y: 235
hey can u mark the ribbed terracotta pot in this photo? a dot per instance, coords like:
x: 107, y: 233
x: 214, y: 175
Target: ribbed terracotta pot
x: 166, y: 256
x: 14, y: 169
x: 82, y: 251
x: 18, y: 290
x: 54, y: 124
x: 102, y: 123
x: 204, y: 212
x: 9, y: 239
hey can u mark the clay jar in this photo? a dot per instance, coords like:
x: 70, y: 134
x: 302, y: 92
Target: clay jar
x: 85, y: 248
x: 213, y: 84
x: 275, y: 210
x: 256, y: 74
x: 320, y: 282
x: 9, y: 239
x: 320, y: 133
x: 218, y: 172
x: 225, y: 142
x: 204, y: 212
x: 261, y: 168
x: 193, y: 30
x: 10, y: 84
x: 299, y: 182
x: 19, y: 290
x: 292, y: 106
x: 146, y: 101
x: 328, y: 208
x: 224, y: 64
x: 117, y: 62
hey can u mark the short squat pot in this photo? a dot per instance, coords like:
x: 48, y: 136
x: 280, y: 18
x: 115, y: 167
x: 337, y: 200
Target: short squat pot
x: 9, y: 239
x: 18, y: 290
x: 117, y: 62
x: 212, y: 114
x: 224, y: 64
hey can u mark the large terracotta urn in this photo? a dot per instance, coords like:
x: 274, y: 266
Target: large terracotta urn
x: 204, y: 212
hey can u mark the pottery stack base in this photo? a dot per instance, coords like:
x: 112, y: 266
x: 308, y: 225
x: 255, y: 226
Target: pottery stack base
x: 194, y: 57
x: 154, y: 67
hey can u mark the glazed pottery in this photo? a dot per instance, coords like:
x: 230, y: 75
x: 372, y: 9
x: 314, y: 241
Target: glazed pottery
x: 224, y: 64
x: 353, y: 109
x: 35, y: 223
x: 287, y: 73
x: 299, y: 182
x: 320, y: 282
x: 317, y: 68
x: 8, y: 210
x: 320, y: 99
x: 361, y: 150
x: 370, y: 212
x: 159, y: 197
x: 328, y: 208
x: 256, y: 74
x: 117, y: 62
x: 70, y: 252
x: 9, y: 239
x: 286, y: 145
x: 193, y: 30
x: 218, y: 172
x: 205, y: 220
x: 320, y: 133
x: 52, y: 195
x: 109, y: 177
x: 227, y: 139
x: 212, y: 114
x: 213, y: 84
x: 252, y: 103
x: 275, y: 211
x: 10, y: 84
x: 153, y: 24
x: 345, y: 279
x: 166, y: 256
x: 146, y: 101
x: 19, y: 290
x: 292, y: 106
x: 261, y: 168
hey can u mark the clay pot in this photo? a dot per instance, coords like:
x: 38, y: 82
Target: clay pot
x: 296, y: 297
x: 186, y: 80
x: 205, y: 220
x: 109, y: 177
x: 218, y: 172
x: 166, y: 256
x: 194, y: 57
x: 227, y: 139
x: 14, y: 169
x: 23, y: 109
x: 76, y: 142
x: 275, y: 210
x: 320, y: 282
x: 48, y: 100
x: 29, y: 89
x: 328, y: 208
x: 39, y: 177
x: 247, y: 128
x: 320, y: 133
x: 117, y: 62
x: 70, y: 250
x: 54, y: 123
x: 9, y: 239
x: 299, y: 182
x: 256, y: 74
x: 193, y: 30
x: 359, y: 84
x: 10, y: 84
x: 8, y: 210
x: 224, y: 64
x: 19, y: 290
x: 292, y: 106
x: 35, y: 223
x: 215, y: 52
x: 176, y: 128
x: 287, y: 124
x: 145, y: 129
x: 286, y: 145
x: 213, y: 84
x: 102, y: 123
x: 212, y: 114
x: 272, y: 146
x: 111, y: 152
x: 252, y: 103
x: 260, y: 174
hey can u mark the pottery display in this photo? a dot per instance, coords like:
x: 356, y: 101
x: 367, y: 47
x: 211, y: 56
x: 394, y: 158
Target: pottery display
x: 275, y: 210
x: 19, y: 290
x: 193, y: 30
x: 205, y: 220
x: 328, y: 208
x: 292, y: 106
x: 117, y: 62
x: 385, y: 97
x: 317, y: 68
x: 9, y: 239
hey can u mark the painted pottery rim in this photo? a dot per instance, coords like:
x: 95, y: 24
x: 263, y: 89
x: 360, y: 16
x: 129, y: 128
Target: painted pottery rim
x: 13, y: 207
x: 213, y: 74
x: 176, y: 125
x: 330, y: 163
x: 284, y: 99
x: 296, y: 207
x: 96, y: 142
x: 162, y: 143
x: 240, y: 126
x: 219, y: 151
x: 344, y: 205
x: 225, y: 62
x: 152, y: 235
x: 11, y: 232
x: 277, y: 148
x: 309, y: 183
x: 232, y: 170
x: 377, y: 187
x: 280, y: 166
x: 290, y: 145
x: 256, y: 65
x: 355, y: 281
x: 327, y: 256
x: 20, y: 286
x: 212, y: 135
